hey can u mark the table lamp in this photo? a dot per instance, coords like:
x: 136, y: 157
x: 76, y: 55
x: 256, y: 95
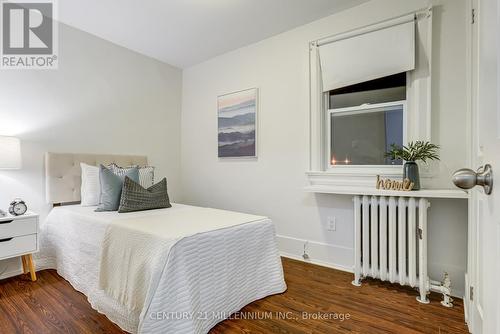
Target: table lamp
x: 10, y: 153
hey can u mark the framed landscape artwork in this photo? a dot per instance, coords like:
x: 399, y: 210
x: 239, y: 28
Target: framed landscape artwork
x: 237, y: 127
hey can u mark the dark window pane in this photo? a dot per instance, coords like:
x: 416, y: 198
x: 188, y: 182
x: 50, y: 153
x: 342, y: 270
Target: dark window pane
x: 387, y: 89
x: 361, y: 137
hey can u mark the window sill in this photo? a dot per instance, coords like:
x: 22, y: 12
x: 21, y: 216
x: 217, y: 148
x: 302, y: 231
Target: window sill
x: 372, y: 191
x: 357, y: 177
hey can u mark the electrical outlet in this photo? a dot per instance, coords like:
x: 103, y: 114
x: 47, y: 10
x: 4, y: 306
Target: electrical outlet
x: 331, y: 224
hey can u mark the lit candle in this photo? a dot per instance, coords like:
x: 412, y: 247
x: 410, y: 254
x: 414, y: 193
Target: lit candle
x: 334, y: 161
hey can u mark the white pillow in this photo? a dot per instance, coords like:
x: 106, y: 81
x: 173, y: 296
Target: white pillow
x: 91, y: 185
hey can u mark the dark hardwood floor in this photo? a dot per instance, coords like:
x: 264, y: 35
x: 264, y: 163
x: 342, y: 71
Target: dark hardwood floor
x: 51, y: 305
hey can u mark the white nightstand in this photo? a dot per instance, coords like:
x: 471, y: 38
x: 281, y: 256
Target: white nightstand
x: 19, y: 237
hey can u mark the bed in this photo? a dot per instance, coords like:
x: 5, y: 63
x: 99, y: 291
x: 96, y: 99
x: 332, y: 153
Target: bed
x: 202, y: 278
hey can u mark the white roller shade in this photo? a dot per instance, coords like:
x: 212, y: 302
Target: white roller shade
x: 368, y: 54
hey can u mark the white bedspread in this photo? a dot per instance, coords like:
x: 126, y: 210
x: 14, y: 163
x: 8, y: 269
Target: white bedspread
x: 135, y: 250
x: 208, y: 275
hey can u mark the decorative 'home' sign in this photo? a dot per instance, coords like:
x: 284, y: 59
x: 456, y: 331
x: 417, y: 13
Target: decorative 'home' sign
x: 388, y: 184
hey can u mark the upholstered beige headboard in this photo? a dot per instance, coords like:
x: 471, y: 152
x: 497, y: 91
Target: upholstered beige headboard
x: 63, y: 172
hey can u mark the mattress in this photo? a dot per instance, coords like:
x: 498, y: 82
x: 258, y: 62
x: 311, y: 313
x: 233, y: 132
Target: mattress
x: 208, y: 275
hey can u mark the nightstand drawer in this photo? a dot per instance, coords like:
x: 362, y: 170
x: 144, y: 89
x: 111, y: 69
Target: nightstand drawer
x: 17, y: 246
x: 18, y: 227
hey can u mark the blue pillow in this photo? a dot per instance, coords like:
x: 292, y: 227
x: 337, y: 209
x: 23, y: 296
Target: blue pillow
x: 111, y: 187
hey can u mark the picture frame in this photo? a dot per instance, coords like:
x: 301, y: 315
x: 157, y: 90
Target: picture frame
x: 237, y: 114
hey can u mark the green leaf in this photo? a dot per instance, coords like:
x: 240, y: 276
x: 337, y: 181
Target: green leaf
x: 414, y: 151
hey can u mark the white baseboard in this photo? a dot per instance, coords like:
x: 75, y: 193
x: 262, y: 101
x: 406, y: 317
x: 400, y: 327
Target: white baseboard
x: 10, y: 267
x: 11, y: 274
x: 322, y: 254
x: 316, y: 262
x: 341, y: 258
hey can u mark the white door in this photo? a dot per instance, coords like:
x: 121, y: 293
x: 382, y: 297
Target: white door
x: 483, y: 296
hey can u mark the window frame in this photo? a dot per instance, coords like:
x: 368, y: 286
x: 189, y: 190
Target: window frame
x: 367, y: 106
x: 418, y: 111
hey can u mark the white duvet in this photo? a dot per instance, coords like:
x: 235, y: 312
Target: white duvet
x: 208, y: 275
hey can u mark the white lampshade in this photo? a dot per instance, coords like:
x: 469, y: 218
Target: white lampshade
x: 10, y: 153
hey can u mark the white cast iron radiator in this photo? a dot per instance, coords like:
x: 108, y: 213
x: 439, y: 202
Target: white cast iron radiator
x: 391, y: 243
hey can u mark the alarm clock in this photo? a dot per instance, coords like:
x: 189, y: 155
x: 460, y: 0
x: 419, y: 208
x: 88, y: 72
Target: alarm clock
x: 18, y: 207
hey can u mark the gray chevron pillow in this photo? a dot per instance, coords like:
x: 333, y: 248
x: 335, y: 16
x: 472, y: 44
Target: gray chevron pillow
x: 136, y: 198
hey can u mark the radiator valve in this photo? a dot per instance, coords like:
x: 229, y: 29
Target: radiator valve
x: 446, y: 284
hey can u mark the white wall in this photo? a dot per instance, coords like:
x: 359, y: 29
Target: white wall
x: 102, y: 99
x: 273, y: 184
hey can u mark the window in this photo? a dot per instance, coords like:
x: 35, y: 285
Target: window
x: 370, y: 87
x: 364, y: 120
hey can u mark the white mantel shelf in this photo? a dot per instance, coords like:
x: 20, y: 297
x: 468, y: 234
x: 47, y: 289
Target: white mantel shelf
x: 423, y: 193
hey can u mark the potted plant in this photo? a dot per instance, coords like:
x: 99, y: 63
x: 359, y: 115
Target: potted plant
x: 410, y: 154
